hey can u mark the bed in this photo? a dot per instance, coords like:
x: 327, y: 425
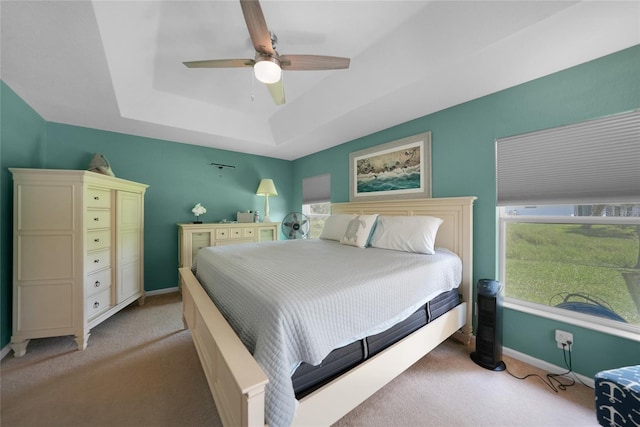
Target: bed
x: 236, y: 379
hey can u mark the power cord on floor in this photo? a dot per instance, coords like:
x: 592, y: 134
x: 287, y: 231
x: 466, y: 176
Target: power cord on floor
x: 553, y: 380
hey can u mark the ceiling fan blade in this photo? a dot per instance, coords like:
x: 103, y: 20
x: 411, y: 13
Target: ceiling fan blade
x: 220, y: 63
x: 257, y: 26
x: 277, y: 92
x: 313, y: 62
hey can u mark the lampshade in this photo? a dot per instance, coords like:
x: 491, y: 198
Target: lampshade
x: 267, y: 188
x: 267, y: 70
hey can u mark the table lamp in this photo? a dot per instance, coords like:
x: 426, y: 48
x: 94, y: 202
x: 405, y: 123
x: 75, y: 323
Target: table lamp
x: 266, y: 188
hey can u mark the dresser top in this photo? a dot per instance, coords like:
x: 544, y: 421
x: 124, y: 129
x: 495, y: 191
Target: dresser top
x: 25, y: 174
x: 227, y: 224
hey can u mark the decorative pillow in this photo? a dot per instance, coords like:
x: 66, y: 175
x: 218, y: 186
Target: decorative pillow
x: 335, y: 226
x: 359, y: 230
x: 406, y: 233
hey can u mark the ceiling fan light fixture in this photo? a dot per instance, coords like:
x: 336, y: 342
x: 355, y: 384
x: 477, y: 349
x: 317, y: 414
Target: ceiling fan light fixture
x: 267, y: 69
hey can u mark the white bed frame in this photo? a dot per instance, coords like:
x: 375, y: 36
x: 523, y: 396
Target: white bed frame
x: 237, y: 382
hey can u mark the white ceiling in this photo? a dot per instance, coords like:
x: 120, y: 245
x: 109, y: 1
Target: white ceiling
x: 117, y: 65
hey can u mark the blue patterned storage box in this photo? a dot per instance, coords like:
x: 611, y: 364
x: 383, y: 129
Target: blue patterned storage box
x: 618, y: 397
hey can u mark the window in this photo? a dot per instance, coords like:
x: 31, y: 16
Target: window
x: 581, y: 259
x: 316, y: 202
x: 569, y: 209
x: 317, y: 214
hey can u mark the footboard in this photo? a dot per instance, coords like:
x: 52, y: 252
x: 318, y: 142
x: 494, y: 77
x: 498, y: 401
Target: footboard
x: 236, y: 381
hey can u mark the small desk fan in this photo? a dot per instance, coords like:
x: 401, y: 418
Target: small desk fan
x: 295, y: 226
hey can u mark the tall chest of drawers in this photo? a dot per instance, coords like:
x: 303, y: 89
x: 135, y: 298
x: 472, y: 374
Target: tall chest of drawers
x: 77, y: 249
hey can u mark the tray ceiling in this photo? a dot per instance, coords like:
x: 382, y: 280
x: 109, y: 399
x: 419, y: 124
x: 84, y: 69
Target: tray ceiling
x: 117, y: 65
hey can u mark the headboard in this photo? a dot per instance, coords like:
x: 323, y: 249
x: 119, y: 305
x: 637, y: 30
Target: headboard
x: 455, y: 233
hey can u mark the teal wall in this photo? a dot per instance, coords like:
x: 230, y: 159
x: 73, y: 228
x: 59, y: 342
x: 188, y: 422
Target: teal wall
x: 463, y: 163
x: 178, y: 175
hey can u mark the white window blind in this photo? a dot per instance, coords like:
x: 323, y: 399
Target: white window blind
x: 597, y: 161
x: 316, y: 189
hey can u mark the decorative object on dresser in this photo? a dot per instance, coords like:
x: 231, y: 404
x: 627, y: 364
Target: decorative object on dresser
x: 245, y: 217
x: 100, y: 164
x: 266, y: 188
x: 198, y: 210
x: 78, y: 252
x: 193, y: 237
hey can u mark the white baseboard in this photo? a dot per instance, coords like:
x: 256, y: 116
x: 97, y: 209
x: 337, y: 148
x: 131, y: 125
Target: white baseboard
x: 6, y: 350
x: 162, y: 291
x: 546, y: 366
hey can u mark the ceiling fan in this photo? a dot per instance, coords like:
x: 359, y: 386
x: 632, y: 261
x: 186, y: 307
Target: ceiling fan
x: 268, y: 63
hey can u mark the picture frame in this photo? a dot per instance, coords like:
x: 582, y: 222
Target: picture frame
x: 394, y: 170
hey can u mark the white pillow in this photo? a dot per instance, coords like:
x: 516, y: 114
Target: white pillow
x: 359, y: 230
x: 406, y: 233
x: 335, y: 226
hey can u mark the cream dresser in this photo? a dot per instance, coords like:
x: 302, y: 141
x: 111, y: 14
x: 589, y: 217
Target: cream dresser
x: 193, y: 237
x: 77, y: 252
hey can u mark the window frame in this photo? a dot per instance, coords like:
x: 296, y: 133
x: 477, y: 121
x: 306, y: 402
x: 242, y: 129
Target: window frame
x: 595, y: 323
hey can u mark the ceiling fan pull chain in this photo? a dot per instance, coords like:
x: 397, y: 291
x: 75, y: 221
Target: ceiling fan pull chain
x: 252, y: 85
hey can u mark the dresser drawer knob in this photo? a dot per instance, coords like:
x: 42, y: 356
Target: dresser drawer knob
x: 96, y: 261
x: 96, y: 219
x: 96, y: 304
x: 96, y: 197
x: 96, y: 240
x: 97, y: 284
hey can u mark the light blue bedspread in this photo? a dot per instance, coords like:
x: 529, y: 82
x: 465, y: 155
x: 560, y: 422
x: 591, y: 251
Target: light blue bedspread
x: 294, y: 301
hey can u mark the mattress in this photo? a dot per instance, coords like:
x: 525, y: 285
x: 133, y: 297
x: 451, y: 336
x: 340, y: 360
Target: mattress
x: 308, y: 378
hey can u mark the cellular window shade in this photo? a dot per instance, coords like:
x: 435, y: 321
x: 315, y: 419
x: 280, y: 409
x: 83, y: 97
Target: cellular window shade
x: 316, y: 189
x: 597, y: 161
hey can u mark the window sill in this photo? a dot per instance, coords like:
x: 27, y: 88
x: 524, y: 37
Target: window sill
x: 604, y: 326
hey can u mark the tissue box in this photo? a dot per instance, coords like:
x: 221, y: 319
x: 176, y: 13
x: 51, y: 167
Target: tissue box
x: 245, y: 216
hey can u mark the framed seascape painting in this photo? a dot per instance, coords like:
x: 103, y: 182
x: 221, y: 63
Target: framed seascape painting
x: 398, y: 169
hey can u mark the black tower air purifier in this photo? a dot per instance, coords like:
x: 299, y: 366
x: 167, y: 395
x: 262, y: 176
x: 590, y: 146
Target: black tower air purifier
x: 488, y: 352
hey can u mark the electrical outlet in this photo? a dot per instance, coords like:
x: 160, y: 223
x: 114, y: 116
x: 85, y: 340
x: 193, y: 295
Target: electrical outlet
x: 564, y: 337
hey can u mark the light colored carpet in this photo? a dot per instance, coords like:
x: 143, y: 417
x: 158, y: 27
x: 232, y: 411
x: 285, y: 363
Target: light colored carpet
x: 141, y: 369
